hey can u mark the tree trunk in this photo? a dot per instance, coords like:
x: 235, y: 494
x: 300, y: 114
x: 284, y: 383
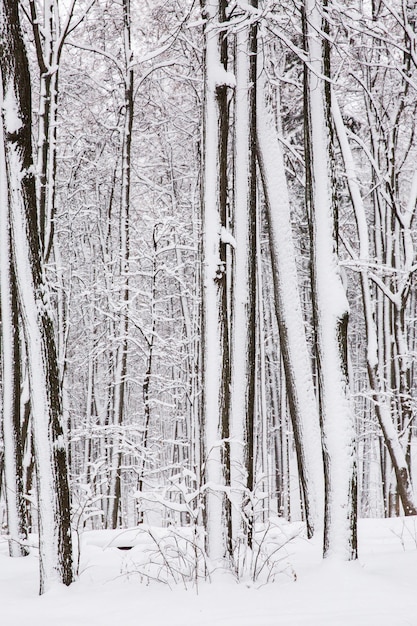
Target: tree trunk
x: 122, y: 349
x: 296, y: 358
x: 55, y: 546
x: 243, y: 326
x: 215, y: 339
x: 11, y: 377
x: 330, y: 307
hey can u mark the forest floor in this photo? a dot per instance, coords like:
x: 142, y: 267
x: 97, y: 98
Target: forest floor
x: 117, y: 587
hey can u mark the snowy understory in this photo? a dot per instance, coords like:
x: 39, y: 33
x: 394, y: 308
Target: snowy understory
x: 126, y: 587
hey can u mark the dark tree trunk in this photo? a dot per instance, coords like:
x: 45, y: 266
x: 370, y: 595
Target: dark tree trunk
x: 50, y: 451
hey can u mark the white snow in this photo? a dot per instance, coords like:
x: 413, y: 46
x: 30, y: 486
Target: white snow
x: 12, y: 121
x: 378, y: 590
x: 220, y: 77
x: 227, y: 237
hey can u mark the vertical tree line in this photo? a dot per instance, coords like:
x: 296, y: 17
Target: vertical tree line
x: 207, y: 270
x: 35, y: 312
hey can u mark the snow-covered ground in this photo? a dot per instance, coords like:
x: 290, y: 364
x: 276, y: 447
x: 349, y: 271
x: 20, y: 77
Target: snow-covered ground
x: 112, y: 590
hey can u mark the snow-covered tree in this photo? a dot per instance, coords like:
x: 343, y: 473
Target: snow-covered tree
x: 330, y: 306
x: 293, y: 342
x: 215, y: 323
x: 55, y: 546
x: 11, y: 376
x: 242, y: 413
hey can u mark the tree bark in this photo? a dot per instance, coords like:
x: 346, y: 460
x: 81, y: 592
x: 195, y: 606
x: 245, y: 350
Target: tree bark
x: 296, y: 358
x: 55, y: 544
x: 11, y: 377
x: 215, y: 324
x: 122, y: 349
x: 330, y: 306
x: 243, y: 323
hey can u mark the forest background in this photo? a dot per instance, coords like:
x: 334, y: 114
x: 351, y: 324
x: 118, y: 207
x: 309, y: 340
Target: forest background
x: 207, y: 271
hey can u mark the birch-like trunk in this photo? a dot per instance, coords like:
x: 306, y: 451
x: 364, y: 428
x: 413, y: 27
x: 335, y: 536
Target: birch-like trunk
x: 215, y: 349
x: 55, y: 547
x: 11, y: 376
x: 296, y: 358
x: 330, y: 306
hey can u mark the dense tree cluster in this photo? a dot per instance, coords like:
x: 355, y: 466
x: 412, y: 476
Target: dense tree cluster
x: 207, y: 263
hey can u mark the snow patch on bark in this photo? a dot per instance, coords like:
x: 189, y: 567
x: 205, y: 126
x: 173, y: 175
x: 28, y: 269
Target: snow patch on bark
x: 12, y: 120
